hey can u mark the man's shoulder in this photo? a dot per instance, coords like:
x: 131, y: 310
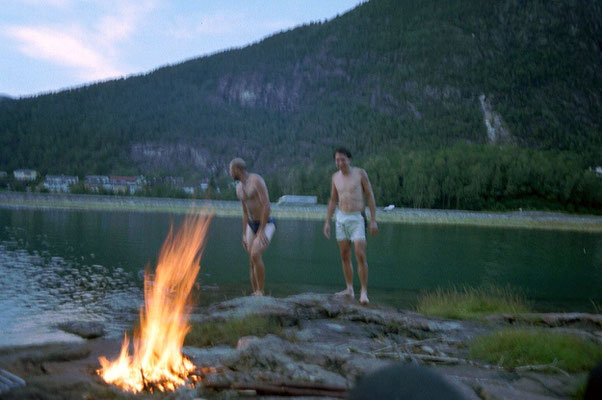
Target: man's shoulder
x: 359, y: 171
x: 256, y: 177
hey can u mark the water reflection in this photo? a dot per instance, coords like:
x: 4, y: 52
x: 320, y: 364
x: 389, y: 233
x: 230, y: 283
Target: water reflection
x: 39, y: 291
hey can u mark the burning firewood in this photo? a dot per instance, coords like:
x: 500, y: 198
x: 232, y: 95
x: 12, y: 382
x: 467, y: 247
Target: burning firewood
x: 157, y: 363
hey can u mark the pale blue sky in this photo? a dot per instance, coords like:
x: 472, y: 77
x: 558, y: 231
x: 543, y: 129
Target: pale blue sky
x: 49, y: 45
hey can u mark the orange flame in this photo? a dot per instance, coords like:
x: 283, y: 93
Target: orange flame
x: 157, y: 361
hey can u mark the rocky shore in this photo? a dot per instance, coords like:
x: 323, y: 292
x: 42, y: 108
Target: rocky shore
x: 325, y: 345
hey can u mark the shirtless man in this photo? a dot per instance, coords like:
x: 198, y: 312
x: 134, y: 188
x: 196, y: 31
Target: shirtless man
x: 349, y: 187
x: 257, y: 225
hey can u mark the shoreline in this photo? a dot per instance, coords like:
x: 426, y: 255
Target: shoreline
x: 224, y: 208
x: 313, y: 340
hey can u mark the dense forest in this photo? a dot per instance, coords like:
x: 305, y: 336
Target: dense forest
x: 456, y: 104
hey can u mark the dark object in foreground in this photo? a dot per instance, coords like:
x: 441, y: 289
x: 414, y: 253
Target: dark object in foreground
x: 282, y: 388
x: 593, y: 389
x: 407, y: 382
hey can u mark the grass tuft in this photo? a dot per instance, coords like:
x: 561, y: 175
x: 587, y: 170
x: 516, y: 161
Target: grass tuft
x: 469, y: 303
x: 228, y: 332
x: 520, y: 347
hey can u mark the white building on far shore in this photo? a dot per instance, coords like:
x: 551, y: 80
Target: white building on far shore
x: 25, y: 174
x: 60, y: 183
x: 289, y: 199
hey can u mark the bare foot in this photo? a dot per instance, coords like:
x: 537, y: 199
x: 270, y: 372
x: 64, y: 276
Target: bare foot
x: 364, y: 298
x: 347, y: 292
x: 258, y: 293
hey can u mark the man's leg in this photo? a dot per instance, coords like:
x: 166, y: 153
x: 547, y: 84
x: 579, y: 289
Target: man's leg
x: 250, y: 239
x: 258, y: 267
x: 362, y: 269
x: 252, y: 274
x: 345, y: 250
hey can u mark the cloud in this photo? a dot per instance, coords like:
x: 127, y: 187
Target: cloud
x: 90, y: 47
x: 63, y: 48
x: 52, y: 3
x: 123, y: 22
x: 221, y: 24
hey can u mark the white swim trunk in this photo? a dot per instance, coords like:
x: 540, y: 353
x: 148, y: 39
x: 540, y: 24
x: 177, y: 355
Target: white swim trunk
x: 269, y: 230
x: 350, y: 226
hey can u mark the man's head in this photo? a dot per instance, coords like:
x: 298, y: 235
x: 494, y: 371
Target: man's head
x: 342, y: 158
x: 238, y: 168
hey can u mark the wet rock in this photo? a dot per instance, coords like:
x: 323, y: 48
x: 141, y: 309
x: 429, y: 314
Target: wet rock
x: 288, y: 361
x: 210, y: 357
x: 84, y: 329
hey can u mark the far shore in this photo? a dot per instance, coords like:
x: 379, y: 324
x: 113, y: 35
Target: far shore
x: 512, y: 219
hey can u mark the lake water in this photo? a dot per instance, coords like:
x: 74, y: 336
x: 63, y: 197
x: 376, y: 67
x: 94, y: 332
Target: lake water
x: 60, y: 265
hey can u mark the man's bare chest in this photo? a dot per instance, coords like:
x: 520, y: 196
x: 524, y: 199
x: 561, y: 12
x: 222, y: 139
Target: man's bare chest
x: 348, y: 184
x: 246, y: 192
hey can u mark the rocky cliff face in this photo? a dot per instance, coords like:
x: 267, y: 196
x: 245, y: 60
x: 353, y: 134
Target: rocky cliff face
x: 153, y: 157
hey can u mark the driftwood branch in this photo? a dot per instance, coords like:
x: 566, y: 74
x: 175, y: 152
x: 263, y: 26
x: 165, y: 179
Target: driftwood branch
x: 544, y: 367
x: 549, y: 319
x: 282, y: 388
x: 427, y: 358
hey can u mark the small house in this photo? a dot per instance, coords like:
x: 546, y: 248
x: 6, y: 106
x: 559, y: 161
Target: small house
x: 60, y: 183
x: 289, y: 199
x: 94, y: 183
x: 125, y: 184
x: 25, y: 174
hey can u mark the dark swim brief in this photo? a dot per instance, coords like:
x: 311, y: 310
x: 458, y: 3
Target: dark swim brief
x: 254, y: 225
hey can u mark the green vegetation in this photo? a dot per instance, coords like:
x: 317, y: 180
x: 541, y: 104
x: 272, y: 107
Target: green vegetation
x: 482, y: 177
x: 468, y: 303
x: 512, y: 348
x: 579, y: 389
x: 396, y: 81
x: 228, y: 332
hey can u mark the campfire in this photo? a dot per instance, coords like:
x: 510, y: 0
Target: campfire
x: 157, y: 363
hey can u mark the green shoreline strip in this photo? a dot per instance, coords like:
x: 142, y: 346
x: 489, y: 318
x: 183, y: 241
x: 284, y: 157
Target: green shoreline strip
x: 523, y: 220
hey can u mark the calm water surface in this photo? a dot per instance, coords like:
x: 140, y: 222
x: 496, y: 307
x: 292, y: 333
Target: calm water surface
x: 58, y: 266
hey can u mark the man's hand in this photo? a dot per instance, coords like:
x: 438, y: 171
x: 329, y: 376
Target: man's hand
x: 244, y: 243
x: 326, y: 229
x: 263, y: 239
x: 373, y: 228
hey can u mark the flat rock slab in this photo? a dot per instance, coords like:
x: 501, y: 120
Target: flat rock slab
x: 84, y: 329
x: 331, y: 340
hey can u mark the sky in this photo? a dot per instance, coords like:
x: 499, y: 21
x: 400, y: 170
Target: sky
x: 50, y: 45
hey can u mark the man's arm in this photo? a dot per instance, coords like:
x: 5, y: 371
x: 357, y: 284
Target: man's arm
x: 245, y: 222
x: 367, y: 189
x: 264, y: 200
x: 334, y: 198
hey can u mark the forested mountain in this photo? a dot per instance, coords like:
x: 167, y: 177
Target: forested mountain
x: 459, y: 103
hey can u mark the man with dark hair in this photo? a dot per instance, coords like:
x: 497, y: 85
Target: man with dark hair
x: 349, y: 186
x: 257, y: 226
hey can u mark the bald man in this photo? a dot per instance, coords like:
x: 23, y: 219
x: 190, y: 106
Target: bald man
x: 257, y: 225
